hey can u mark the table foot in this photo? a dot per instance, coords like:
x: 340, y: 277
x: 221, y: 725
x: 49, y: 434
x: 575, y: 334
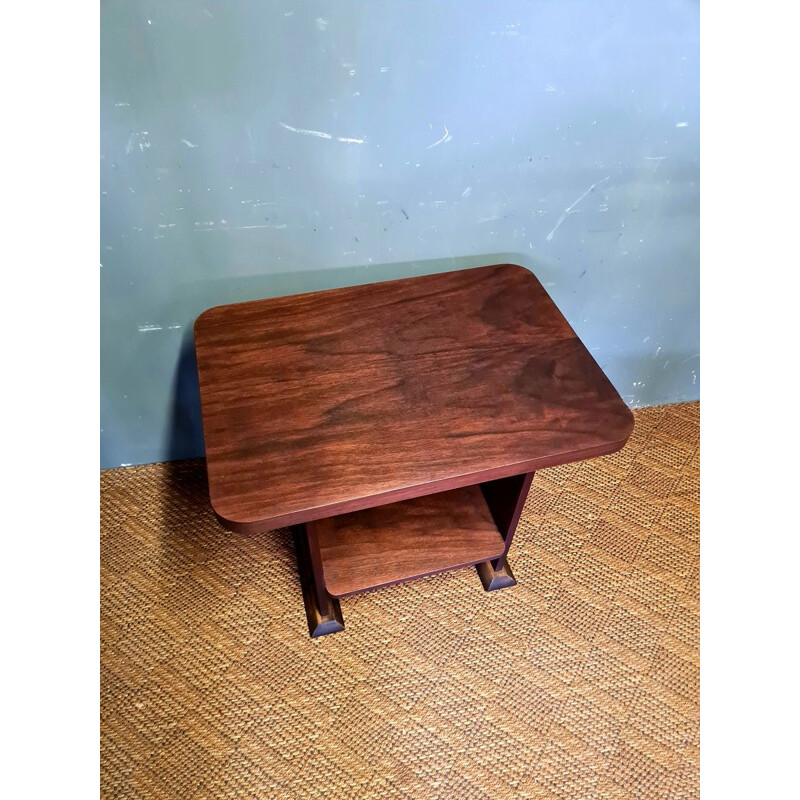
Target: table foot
x: 500, y: 578
x: 319, y: 625
x: 323, y: 612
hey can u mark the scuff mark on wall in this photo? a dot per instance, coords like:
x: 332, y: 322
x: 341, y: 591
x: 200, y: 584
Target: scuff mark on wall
x: 306, y: 131
x: 321, y: 134
x: 569, y: 209
x: 138, y: 138
x: 446, y: 138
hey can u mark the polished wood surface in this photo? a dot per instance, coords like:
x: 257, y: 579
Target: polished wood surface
x: 399, y: 541
x: 319, y: 404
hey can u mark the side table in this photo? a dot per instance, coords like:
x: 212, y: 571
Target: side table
x: 396, y: 426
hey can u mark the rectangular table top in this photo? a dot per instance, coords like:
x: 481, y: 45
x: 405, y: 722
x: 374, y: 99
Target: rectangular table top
x: 323, y: 403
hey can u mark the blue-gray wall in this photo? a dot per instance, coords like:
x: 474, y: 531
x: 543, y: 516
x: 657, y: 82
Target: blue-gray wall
x: 252, y: 149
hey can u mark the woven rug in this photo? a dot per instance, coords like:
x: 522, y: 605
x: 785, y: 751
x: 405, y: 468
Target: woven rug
x: 580, y: 682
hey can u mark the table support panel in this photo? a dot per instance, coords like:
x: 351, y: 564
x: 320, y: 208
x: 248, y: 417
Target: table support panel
x: 323, y: 612
x: 506, y: 499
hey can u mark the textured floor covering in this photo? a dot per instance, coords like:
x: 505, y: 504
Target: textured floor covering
x: 580, y: 682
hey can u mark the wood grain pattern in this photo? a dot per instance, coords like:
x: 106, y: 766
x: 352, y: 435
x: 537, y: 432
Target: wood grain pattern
x: 399, y: 541
x: 319, y: 404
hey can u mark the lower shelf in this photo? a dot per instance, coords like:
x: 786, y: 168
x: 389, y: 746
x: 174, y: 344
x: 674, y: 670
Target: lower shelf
x: 387, y: 544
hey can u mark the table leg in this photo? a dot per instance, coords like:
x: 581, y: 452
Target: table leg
x: 323, y: 612
x: 506, y: 499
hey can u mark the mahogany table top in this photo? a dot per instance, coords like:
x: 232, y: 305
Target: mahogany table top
x: 319, y: 404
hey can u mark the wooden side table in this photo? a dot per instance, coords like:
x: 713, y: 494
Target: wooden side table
x: 396, y: 426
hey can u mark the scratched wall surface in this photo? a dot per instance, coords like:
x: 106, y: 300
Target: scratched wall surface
x: 256, y: 149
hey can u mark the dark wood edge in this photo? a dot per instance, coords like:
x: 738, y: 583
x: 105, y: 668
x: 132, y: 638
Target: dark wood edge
x: 407, y: 493
x: 414, y: 577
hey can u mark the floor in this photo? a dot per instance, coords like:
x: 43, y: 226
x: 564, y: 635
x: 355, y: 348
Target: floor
x: 580, y: 682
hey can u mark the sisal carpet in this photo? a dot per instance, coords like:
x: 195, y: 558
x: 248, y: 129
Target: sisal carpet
x: 580, y: 682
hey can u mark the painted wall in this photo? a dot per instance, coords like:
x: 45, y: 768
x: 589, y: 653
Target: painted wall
x: 265, y: 148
